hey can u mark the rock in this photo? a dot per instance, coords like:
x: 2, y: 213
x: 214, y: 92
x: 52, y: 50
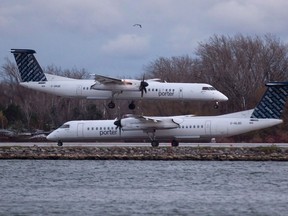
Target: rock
x: 145, y: 153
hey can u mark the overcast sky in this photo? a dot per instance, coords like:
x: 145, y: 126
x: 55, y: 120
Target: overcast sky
x: 99, y: 35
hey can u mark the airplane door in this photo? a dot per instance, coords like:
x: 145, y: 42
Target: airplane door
x: 79, y: 90
x: 181, y: 93
x: 80, y: 130
x: 208, y: 127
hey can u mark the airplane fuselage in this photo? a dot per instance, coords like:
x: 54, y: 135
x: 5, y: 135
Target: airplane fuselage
x: 155, y: 90
x: 190, y: 128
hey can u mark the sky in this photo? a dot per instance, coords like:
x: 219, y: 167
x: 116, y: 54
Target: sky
x: 99, y: 36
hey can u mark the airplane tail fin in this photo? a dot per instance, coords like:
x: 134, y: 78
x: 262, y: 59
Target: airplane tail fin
x: 28, y: 66
x: 273, y: 101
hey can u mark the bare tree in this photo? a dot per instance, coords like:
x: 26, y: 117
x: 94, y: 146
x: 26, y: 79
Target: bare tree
x: 241, y: 65
x: 174, y: 69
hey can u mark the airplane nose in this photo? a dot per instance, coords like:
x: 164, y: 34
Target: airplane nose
x: 224, y: 97
x: 221, y: 97
x: 52, y: 136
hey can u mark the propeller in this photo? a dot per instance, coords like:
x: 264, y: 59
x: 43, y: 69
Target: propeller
x: 117, y: 123
x: 143, y: 86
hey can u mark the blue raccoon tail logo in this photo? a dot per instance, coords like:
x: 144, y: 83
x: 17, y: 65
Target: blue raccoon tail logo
x: 28, y: 66
x: 272, y: 102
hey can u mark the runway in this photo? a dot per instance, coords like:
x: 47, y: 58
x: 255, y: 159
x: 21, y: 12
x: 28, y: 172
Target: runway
x: 133, y: 144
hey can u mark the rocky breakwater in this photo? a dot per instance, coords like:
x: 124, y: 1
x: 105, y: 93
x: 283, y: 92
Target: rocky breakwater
x: 272, y: 153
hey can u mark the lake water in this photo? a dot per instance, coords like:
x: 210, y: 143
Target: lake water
x: 63, y: 187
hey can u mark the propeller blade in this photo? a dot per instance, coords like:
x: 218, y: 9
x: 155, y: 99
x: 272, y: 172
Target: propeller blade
x: 118, y: 125
x: 143, y: 86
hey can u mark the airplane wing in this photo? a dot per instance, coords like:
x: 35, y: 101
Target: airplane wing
x: 109, y: 80
x: 148, y: 123
x: 154, y: 80
x: 116, y: 85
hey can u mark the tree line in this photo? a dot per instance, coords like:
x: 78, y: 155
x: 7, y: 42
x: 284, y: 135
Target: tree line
x: 239, y: 66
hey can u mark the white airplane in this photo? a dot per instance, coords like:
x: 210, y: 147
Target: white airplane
x: 175, y: 128
x: 107, y: 88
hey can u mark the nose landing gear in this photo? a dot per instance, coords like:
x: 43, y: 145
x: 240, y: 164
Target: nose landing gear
x: 216, y: 105
x: 60, y: 143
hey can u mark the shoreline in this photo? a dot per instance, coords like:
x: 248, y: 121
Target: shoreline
x: 269, y: 153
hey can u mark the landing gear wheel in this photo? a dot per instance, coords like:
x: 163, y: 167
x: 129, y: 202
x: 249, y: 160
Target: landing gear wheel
x: 131, y: 106
x: 60, y: 143
x: 216, y: 106
x: 155, y: 143
x: 111, y: 105
x: 174, y: 143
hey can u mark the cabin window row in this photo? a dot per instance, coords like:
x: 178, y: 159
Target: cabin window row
x: 101, y: 128
x: 191, y: 126
x: 167, y: 90
x: 115, y: 128
x: 149, y: 89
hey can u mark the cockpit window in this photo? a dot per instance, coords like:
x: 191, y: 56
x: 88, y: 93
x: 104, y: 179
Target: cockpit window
x: 208, y: 88
x: 65, y: 126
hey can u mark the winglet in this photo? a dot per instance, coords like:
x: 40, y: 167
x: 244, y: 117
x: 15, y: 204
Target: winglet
x: 273, y: 101
x: 28, y: 66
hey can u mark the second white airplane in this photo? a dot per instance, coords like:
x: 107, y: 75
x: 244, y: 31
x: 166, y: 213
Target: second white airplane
x: 107, y: 88
x: 175, y: 128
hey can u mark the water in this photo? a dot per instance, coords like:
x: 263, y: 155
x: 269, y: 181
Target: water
x: 62, y: 187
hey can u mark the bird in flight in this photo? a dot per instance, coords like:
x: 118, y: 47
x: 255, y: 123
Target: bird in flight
x: 137, y: 25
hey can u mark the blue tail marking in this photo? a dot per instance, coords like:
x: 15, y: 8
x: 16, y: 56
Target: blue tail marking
x: 28, y: 66
x: 273, y: 101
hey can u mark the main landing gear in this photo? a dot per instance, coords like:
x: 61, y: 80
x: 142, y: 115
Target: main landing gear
x: 155, y: 143
x: 60, y: 143
x: 174, y: 143
x: 111, y: 105
x: 131, y: 106
x: 151, y: 135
